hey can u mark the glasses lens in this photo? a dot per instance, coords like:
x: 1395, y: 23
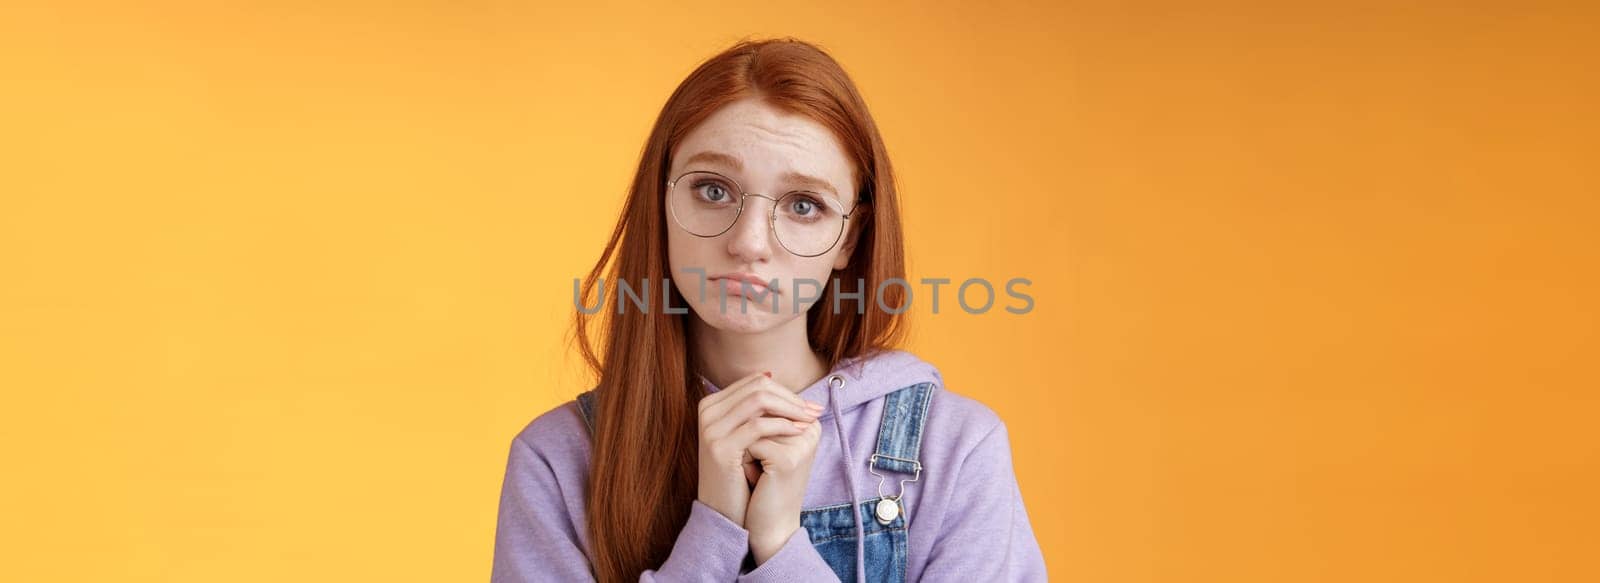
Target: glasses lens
x: 703, y: 203
x: 809, y: 224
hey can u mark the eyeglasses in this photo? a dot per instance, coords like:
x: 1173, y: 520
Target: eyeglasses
x: 707, y: 204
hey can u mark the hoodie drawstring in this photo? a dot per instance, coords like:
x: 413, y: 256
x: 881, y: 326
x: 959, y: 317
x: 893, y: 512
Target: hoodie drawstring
x: 844, y: 450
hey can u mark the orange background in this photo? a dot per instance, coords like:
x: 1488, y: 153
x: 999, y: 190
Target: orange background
x: 1314, y: 285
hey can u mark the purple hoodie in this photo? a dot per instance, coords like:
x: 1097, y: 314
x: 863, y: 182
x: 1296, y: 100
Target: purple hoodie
x: 964, y: 519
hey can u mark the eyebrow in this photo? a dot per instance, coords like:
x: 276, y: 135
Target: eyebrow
x: 791, y: 177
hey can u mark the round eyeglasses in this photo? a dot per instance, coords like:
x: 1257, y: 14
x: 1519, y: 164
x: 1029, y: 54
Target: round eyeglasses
x: 707, y: 204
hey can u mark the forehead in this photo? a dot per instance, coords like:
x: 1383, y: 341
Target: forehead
x: 768, y: 143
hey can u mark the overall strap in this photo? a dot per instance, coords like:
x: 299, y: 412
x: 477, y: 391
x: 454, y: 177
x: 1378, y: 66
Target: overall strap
x: 586, y: 406
x: 899, y: 444
x: 900, y: 433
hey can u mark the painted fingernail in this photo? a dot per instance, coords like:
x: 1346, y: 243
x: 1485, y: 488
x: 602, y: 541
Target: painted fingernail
x: 768, y: 373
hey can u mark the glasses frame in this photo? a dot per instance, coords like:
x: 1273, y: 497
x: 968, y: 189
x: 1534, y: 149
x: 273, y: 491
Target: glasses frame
x: 772, y: 215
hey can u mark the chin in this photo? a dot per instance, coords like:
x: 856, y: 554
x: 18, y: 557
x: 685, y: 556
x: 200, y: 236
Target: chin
x: 758, y: 318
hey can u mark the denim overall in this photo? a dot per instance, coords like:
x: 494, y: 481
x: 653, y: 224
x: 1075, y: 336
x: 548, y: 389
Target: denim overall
x: 832, y: 529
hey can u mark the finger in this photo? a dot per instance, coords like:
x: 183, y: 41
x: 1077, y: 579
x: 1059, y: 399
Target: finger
x: 725, y: 409
x: 775, y: 401
x: 758, y: 428
x: 765, y: 448
x: 782, y: 455
x: 717, y: 405
x: 728, y: 392
x: 752, y: 470
x: 760, y: 402
x: 807, y: 439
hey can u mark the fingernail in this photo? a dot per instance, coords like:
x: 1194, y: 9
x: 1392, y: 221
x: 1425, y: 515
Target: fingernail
x: 768, y: 373
x: 800, y: 424
x: 814, y: 406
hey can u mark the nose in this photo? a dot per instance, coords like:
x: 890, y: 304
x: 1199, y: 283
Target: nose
x: 751, y: 238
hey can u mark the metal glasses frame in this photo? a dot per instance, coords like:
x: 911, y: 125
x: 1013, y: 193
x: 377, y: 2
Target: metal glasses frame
x: 772, y: 216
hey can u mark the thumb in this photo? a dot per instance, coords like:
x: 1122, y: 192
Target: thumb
x: 752, y: 468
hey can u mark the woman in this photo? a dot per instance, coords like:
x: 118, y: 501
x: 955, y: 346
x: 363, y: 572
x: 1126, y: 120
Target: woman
x: 728, y: 437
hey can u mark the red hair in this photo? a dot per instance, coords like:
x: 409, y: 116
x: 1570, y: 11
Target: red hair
x: 642, y: 477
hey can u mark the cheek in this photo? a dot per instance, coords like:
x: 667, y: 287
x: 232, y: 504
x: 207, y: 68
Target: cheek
x: 674, y: 251
x: 689, y: 258
x: 680, y: 261
x: 683, y: 251
x: 815, y: 269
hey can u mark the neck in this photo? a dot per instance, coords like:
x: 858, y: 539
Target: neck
x: 785, y: 351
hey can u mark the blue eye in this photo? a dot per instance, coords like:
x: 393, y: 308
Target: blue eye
x: 717, y: 192
x: 806, y: 208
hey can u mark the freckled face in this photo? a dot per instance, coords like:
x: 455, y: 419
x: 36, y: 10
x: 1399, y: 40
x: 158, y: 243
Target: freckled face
x: 765, y: 151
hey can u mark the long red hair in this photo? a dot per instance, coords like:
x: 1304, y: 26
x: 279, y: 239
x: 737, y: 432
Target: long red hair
x: 642, y: 478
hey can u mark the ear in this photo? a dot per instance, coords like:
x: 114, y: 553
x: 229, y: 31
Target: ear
x: 848, y: 247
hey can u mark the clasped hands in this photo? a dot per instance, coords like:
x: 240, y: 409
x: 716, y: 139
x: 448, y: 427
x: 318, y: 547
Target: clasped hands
x: 757, y: 442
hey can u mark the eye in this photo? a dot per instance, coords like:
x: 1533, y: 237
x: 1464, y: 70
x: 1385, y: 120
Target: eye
x: 806, y: 208
x: 713, y: 191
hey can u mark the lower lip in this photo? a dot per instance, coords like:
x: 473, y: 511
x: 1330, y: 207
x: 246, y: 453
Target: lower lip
x: 734, y: 287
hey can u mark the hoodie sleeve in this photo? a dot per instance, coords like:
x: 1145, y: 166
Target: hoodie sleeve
x: 536, y: 540
x: 986, y: 535
x: 796, y: 560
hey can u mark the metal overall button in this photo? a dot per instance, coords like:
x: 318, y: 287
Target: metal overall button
x: 888, y: 507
